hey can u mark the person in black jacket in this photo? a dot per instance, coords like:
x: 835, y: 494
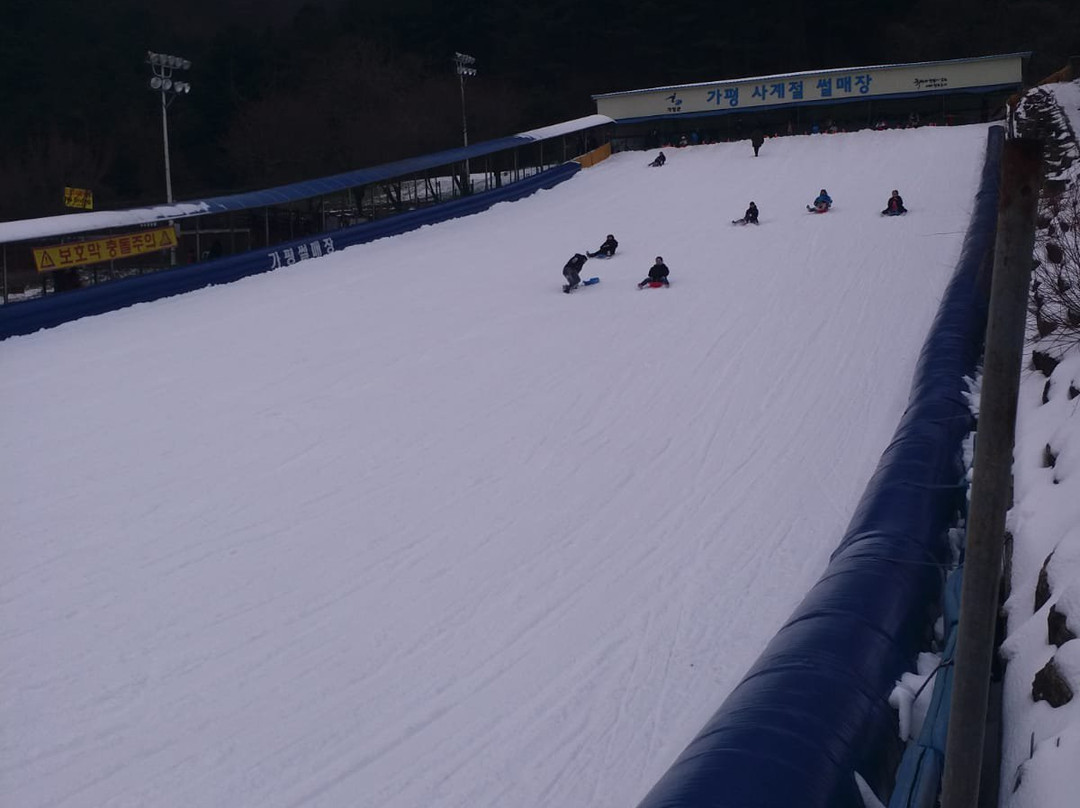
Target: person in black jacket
x: 657, y: 272
x: 756, y: 139
x: 895, y: 205
x: 572, y: 271
x: 750, y: 217
x: 607, y: 249
x: 659, y: 161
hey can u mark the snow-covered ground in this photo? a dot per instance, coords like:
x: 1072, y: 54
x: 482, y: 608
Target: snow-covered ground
x: 1042, y: 739
x: 406, y: 526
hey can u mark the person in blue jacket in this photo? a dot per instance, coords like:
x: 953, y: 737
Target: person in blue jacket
x: 822, y: 203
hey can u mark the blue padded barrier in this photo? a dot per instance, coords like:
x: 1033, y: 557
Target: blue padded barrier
x: 918, y: 780
x: 814, y: 708
x: 46, y: 312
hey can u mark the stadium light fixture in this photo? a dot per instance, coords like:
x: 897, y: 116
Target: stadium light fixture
x: 162, y: 66
x: 464, y: 65
x: 161, y: 80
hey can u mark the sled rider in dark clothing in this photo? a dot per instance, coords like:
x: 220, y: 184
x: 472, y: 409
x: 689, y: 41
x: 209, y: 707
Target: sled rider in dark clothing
x: 572, y: 271
x: 607, y: 248
x: 658, y: 272
x: 895, y: 205
x: 750, y: 217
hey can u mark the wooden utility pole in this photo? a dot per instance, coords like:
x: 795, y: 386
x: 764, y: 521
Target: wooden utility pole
x: 990, y: 487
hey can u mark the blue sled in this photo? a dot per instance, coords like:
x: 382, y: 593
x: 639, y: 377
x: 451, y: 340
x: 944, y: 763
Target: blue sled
x: 590, y: 282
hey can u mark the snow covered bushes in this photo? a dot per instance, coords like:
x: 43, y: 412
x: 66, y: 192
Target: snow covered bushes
x: 1055, y: 292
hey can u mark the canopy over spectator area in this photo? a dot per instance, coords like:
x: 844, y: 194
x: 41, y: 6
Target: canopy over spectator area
x: 424, y: 166
x: 207, y: 229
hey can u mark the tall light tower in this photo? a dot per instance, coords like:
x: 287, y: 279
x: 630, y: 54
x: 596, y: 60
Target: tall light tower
x: 464, y: 65
x: 162, y: 67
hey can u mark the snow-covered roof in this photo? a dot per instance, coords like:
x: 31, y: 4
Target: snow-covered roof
x: 29, y: 229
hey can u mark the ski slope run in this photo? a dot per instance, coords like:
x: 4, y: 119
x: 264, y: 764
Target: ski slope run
x: 406, y: 526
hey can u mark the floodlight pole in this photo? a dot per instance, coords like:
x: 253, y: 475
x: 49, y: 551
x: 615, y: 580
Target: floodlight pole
x: 465, y: 66
x: 162, y: 66
x: 165, y: 138
x: 464, y: 120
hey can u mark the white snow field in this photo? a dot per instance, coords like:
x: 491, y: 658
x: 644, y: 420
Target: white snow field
x: 406, y: 526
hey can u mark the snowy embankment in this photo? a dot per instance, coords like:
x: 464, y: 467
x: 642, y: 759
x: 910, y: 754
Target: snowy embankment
x: 1041, y: 746
x: 406, y: 526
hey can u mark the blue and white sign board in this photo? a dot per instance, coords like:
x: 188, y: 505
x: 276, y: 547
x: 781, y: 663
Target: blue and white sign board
x: 826, y: 86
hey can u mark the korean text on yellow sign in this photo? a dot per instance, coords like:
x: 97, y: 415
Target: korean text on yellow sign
x: 80, y: 253
x: 79, y: 198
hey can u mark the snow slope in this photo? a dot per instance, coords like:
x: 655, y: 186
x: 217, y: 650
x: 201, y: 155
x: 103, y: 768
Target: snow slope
x: 406, y: 526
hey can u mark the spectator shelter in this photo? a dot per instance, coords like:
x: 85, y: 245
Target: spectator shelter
x: 283, y: 225
x: 841, y: 99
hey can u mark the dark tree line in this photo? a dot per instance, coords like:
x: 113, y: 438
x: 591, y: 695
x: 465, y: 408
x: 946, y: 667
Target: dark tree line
x: 287, y: 90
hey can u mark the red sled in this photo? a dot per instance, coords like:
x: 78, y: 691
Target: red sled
x: 655, y: 284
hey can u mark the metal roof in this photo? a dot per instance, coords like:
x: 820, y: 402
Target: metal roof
x: 27, y: 229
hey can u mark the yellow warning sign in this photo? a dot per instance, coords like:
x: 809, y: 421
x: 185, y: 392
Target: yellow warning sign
x: 79, y: 198
x: 80, y: 253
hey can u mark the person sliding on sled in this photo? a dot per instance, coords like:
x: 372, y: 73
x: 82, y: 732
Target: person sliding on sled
x: 822, y: 203
x: 658, y: 273
x: 572, y: 271
x: 895, y: 205
x: 659, y: 161
x: 750, y: 217
x: 607, y: 249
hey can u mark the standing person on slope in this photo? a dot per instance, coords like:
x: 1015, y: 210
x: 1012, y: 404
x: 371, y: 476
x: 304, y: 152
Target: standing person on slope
x: 572, y: 271
x: 658, y: 273
x: 757, y: 138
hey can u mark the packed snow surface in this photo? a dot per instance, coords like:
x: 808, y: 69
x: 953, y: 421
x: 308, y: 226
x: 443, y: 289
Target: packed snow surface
x: 406, y: 526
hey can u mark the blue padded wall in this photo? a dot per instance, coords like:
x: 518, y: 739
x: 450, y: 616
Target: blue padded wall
x: 814, y: 708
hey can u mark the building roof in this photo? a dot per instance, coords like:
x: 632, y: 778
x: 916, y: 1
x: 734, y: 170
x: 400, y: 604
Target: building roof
x: 28, y: 229
x: 833, y: 70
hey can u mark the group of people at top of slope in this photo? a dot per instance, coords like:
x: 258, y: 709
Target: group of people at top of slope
x: 894, y: 207
x: 822, y: 203
x: 658, y: 272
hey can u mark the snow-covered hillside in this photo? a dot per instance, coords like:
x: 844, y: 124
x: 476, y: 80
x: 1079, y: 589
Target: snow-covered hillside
x: 406, y: 526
